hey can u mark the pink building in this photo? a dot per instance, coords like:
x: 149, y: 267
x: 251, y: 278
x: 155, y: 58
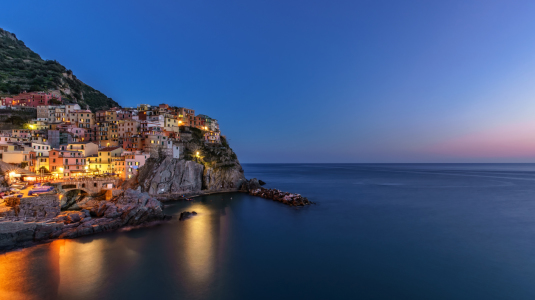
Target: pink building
x: 65, y: 163
x: 128, y: 166
x: 34, y: 99
x: 6, y: 101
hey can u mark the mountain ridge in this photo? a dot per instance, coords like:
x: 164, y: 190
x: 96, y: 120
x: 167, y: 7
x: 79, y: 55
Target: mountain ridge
x: 21, y: 69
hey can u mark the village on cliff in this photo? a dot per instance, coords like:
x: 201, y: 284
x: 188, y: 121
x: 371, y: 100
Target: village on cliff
x: 71, y: 172
x: 66, y: 143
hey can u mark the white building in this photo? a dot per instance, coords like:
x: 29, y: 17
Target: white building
x: 41, y: 149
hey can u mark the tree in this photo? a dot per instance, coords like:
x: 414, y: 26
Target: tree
x: 15, y: 120
x: 55, y: 101
x: 14, y: 89
x: 35, y: 88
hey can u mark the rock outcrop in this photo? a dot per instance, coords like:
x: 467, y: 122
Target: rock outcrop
x: 222, y: 178
x: 170, y: 176
x: 131, y: 208
x: 249, y: 185
x: 186, y: 215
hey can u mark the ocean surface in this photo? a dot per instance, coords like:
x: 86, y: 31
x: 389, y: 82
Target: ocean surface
x: 378, y: 231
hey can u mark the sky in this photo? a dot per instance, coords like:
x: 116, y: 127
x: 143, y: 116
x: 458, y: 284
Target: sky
x: 312, y: 81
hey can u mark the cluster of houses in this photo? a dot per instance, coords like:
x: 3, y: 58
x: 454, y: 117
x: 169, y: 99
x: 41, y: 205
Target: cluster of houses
x: 66, y: 141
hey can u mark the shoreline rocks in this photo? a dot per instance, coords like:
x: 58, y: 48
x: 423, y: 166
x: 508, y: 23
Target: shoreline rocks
x: 254, y: 188
x: 131, y: 208
x: 282, y: 197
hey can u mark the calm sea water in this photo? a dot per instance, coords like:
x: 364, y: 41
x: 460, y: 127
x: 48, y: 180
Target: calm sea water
x: 422, y: 231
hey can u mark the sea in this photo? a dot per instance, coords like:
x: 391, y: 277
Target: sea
x: 378, y: 231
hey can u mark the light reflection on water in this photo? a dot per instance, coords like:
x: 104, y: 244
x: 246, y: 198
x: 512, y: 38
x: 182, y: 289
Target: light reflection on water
x: 197, y: 244
x: 62, y: 267
x: 80, y: 268
x: 435, y: 234
x: 30, y: 274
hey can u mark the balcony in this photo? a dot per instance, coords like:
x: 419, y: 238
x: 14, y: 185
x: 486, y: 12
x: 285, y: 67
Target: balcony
x: 74, y: 164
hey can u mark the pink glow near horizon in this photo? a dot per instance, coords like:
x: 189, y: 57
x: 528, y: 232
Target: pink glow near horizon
x: 513, y: 140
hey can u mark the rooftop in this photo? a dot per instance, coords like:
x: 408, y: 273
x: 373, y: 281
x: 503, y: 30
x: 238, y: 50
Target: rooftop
x: 82, y: 143
x: 107, y: 149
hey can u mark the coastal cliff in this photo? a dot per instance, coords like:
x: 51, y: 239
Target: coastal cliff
x: 179, y: 176
x: 170, y: 176
x: 201, y: 168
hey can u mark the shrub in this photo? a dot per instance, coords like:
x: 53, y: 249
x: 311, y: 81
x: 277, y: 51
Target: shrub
x: 224, y: 142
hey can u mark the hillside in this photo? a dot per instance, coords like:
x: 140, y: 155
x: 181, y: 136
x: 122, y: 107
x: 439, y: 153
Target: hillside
x: 22, y: 69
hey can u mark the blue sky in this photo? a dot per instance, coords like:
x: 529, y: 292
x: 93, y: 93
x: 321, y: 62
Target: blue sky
x: 312, y: 81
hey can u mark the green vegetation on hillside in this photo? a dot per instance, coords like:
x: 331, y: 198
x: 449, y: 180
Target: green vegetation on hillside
x: 210, y: 155
x: 22, y: 69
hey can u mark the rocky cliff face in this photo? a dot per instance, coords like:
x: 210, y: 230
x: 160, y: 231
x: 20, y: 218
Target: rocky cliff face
x: 170, y: 176
x: 223, y: 178
x: 178, y: 176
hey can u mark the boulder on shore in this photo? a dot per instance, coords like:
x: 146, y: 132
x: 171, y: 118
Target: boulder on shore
x: 251, y: 184
x: 185, y: 215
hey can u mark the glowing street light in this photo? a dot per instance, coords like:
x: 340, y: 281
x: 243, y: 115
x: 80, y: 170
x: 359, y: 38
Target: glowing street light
x: 197, y: 153
x: 61, y: 170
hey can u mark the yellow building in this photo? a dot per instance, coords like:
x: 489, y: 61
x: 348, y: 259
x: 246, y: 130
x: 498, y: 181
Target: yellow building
x: 105, y: 159
x: 42, y: 162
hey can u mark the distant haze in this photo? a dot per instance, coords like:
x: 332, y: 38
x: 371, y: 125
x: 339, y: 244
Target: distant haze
x: 312, y: 81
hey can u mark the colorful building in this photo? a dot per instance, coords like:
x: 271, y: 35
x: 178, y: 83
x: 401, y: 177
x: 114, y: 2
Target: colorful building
x: 106, y: 157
